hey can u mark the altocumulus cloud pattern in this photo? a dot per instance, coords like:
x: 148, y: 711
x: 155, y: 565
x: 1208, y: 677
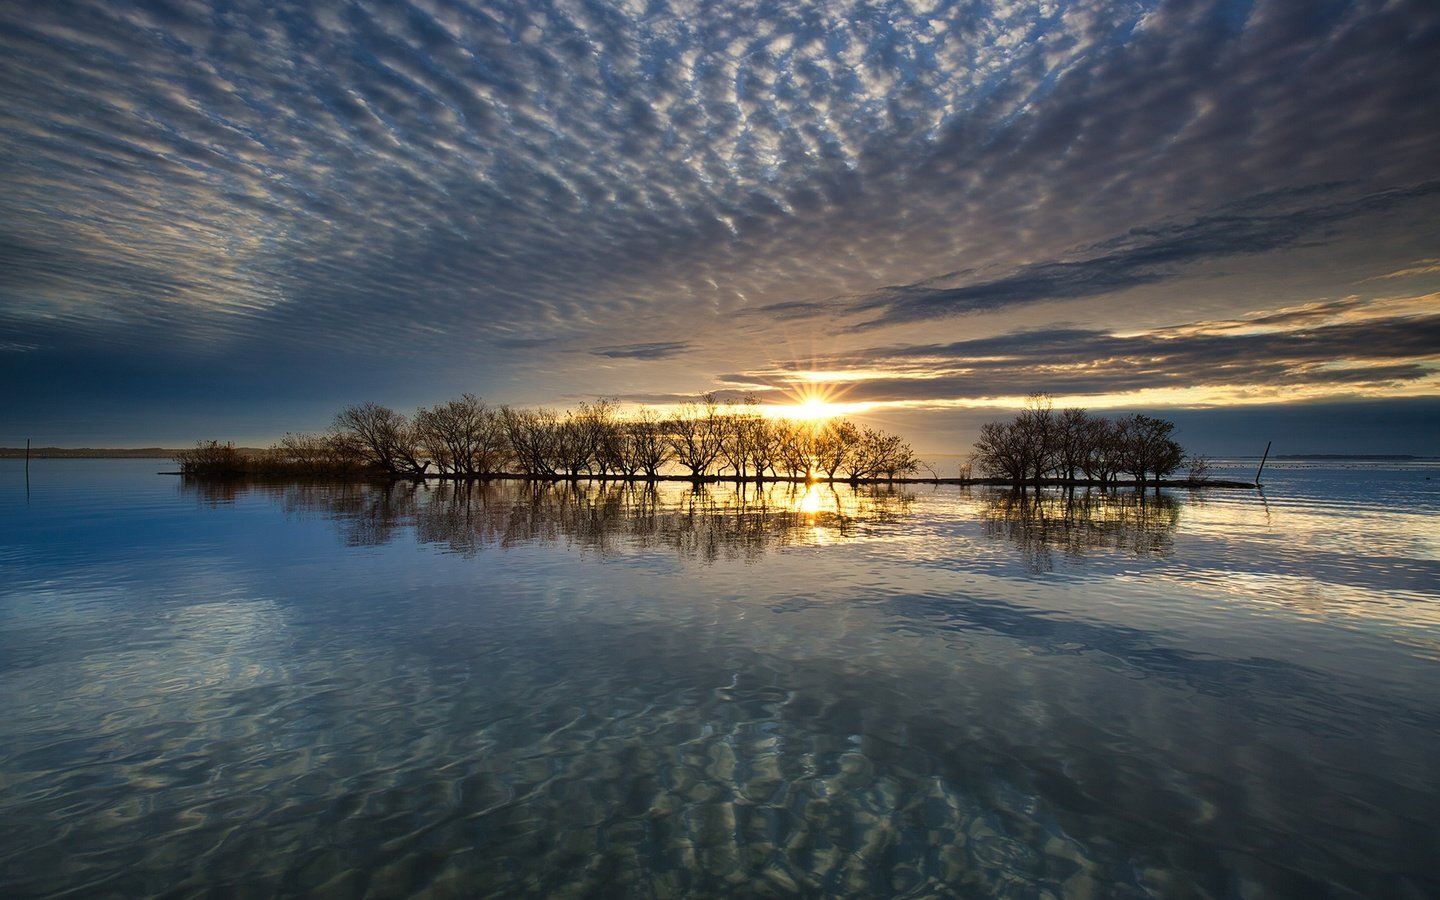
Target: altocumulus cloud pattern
x: 249, y: 193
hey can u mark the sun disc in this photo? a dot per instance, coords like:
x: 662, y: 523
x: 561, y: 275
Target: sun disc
x: 812, y: 408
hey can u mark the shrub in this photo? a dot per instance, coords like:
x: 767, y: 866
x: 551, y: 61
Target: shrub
x: 212, y: 459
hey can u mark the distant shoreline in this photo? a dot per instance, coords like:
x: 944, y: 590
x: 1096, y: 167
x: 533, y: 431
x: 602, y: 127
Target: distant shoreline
x: 90, y: 453
x: 1362, y: 457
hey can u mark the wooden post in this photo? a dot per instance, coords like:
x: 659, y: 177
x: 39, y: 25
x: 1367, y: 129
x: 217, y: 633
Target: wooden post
x: 1262, y: 463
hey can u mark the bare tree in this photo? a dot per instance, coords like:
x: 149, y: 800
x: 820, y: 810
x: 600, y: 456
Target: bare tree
x: 1147, y: 447
x: 765, y: 447
x: 695, y: 435
x: 534, y: 438
x: 894, y: 458
x: 1102, y: 451
x: 1072, y: 433
x: 734, y: 450
x: 597, y: 427
x: 212, y: 459
x: 742, y: 433
x: 577, y: 444
x: 464, y: 435
x: 1038, y: 443
x: 648, y: 440
x: 1000, y: 452
x: 333, y: 453
x: 1198, y: 468
x: 385, y: 437
x: 1036, y: 424
x: 795, y: 447
x: 834, y: 443
x: 862, y: 454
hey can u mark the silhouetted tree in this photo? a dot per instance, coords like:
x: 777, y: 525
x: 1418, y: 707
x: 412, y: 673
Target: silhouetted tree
x: 463, y: 435
x: 576, y: 445
x: 795, y: 447
x: 332, y: 454
x: 1147, y: 447
x: 1072, y: 442
x: 833, y: 444
x: 1036, y: 424
x: 383, y: 437
x: 1102, y: 451
x: 465, y: 438
x: 1000, y: 451
x: 1037, y: 444
x: 892, y: 456
x: 534, y: 438
x: 610, y: 454
x: 647, y: 439
x: 695, y: 435
x: 212, y: 459
x: 1197, y: 468
x: 764, y: 445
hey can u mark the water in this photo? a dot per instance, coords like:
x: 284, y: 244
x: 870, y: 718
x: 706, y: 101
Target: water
x: 549, y: 691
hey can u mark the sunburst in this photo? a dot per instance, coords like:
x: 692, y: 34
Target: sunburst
x: 815, y: 403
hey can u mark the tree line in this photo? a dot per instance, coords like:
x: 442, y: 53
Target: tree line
x: 468, y: 438
x: 1071, y: 445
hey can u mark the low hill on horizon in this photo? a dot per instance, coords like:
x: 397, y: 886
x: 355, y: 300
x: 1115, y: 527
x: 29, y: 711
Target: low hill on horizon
x: 100, y: 452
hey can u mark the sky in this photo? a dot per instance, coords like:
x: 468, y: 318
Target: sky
x: 230, y: 218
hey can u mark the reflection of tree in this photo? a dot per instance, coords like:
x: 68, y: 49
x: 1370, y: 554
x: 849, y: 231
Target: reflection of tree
x: 1041, y: 522
x: 701, y: 522
x: 213, y: 492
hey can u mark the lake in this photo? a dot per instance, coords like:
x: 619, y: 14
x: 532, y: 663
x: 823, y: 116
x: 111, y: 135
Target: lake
x: 567, y: 691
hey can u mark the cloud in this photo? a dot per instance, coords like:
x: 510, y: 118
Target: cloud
x: 1142, y: 256
x: 654, y: 350
x: 487, y: 187
x: 1328, y: 346
x: 1421, y: 267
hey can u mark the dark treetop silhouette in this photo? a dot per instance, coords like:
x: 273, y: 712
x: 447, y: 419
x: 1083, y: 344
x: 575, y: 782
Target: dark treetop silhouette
x: 705, y: 439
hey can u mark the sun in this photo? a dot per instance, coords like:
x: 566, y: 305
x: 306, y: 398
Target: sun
x: 815, y: 405
x: 812, y: 409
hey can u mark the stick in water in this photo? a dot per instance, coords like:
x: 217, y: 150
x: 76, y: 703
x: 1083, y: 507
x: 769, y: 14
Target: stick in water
x: 1262, y: 463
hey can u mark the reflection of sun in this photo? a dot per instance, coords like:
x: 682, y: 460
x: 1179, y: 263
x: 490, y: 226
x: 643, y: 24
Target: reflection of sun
x: 810, y: 502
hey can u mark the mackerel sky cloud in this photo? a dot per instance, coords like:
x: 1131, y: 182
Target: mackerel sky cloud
x: 230, y: 218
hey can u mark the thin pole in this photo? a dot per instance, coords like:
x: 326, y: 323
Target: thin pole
x: 1262, y: 463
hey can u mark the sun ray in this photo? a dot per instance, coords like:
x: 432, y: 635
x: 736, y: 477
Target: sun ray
x: 815, y: 403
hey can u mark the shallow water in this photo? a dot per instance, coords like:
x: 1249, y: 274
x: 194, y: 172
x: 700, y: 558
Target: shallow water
x: 607, y: 691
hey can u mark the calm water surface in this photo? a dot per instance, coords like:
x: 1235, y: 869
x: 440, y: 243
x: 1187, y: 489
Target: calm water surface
x: 607, y: 691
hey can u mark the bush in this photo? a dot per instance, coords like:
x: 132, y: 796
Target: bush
x: 212, y: 459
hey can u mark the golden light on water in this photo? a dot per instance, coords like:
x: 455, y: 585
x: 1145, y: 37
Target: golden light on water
x: 810, y: 502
